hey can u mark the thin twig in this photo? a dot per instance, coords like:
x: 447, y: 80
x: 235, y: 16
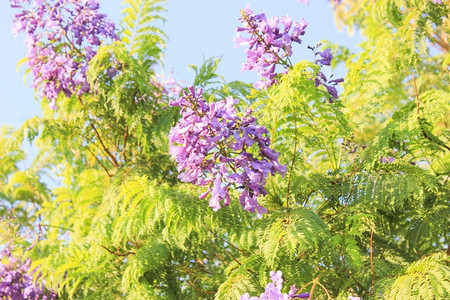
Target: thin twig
x: 90, y: 141
x: 348, y: 271
x: 99, y: 162
x: 293, y: 161
x: 371, y: 258
x: 345, y: 203
x: 305, y: 202
x: 440, y: 41
x: 135, y: 244
x: 313, y: 287
x: 118, y: 253
x: 200, y: 290
x: 240, y: 250
x: 81, y: 101
x: 326, y: 291
x: 304, y: 286
x: 356, y: 168
x: 166, y: 172
x: 59, y: 227
x: 272, y: 134
x: 125, y: 138
x: 114, y: 161
x: 232, y: 256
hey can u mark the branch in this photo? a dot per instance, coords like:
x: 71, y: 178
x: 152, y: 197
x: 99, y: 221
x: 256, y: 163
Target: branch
x: 293, y: 161
x: 114, y: 161
x: 355, y: 169
x: 304, y: 286
x: 326, y: 291
x: 307, y: 198
x: 125, y: 138
x: 59, y: 227
x: 234, y: 258
x: 166, y: 172
x: 441, y: 42
x: 135, y: 244
x: 345, y: 203
x: 371, y: 258
x: 348, y: 271
x: 118, y: 253
x: 99, y: 162
x: 200, y: 290
x: 240, y: 250
x: 313, y: 287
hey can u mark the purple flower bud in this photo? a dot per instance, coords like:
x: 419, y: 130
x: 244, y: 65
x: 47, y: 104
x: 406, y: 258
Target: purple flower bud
x: 326, y: 57
x: 301, y: 296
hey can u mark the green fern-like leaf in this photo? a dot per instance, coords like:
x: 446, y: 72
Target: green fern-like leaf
x: 141, y: 34
x: 291, y: 233
x: 427, y: 278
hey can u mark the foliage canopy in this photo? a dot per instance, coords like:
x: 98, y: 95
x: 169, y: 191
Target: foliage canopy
x: 363, y: 209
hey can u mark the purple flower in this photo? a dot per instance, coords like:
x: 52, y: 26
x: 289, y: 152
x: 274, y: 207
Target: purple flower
x: 386, y: 160
x: 61, y: 41
x: 273, y: 290
x: 269, y: 44
x: 16, y: 280
x: 325, y: 60
x: 214, y: 147
x: 301, y: 296
x: 326, y: 57
x: 277, y: 279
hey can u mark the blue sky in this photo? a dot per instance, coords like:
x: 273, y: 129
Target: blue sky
x: 196, y: 29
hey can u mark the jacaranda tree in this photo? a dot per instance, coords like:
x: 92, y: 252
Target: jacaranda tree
x: 301, y: 185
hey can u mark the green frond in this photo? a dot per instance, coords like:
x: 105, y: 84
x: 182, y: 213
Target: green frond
x: 206, y: 74
x: 291, y: 233
x: 427, y: 278
x: 141, y: 28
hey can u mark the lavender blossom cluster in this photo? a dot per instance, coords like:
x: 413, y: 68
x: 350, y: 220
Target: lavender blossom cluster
x: 269, y: 45
x: 216, y: 148
x: 16, y: 282
x: 324, y: 59
x: 62, y: 37
x: 273, y: 290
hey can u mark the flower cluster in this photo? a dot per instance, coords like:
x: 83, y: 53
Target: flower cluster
x: 168, y: 85
x: 16, y: 282
x: 387, y: 160
x: 273, y: 290
x: 216, y: 148
x: 269, y: 45
x: 62, y: 37
x: 323, y: 58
